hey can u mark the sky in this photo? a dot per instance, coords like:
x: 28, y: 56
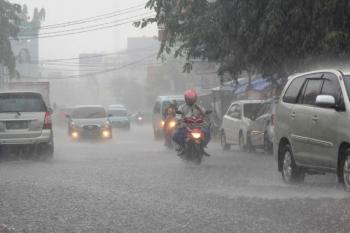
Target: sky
x: 107, y: 40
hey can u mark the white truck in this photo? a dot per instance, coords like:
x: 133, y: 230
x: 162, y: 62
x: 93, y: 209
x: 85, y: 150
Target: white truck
x: 34, y: 86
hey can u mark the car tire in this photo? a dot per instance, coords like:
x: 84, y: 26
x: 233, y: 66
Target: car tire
x: 345, y: 172
x: 290, y: 172
x: 224, y: 145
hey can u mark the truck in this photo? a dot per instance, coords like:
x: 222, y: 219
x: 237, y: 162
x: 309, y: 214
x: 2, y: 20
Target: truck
x: 33, y: 86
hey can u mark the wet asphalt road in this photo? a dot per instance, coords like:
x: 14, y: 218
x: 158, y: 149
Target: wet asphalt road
x: 134, y: 184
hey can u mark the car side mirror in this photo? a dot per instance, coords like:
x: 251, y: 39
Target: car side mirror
x: 68, y: 116
x: 325, y: 101
x: 110, y: 115
x: 178, y: 112
x: 208, y: 112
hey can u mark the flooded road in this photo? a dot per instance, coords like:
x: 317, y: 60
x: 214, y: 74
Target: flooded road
x: 134, y: 184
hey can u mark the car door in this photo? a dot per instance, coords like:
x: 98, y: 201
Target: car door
x: 257, y: 127
x: 228, y: 122
x: 303, y: 117
x: 324, y: 128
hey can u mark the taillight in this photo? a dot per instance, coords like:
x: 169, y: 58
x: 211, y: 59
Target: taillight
x: 47, y: 121
x: 273, y: 119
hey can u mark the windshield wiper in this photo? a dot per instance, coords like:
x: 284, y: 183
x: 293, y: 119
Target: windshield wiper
x: 17, y: 112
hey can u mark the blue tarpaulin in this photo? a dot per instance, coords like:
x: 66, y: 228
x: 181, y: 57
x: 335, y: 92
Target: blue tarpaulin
x: 258, y: 85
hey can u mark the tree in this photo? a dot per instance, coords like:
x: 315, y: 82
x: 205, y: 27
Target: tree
x: 9, y: 22
x: 271, y: 37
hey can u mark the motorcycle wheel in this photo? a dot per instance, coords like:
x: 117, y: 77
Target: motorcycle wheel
x: 197, y: 154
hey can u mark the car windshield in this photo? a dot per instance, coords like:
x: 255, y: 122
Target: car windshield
x: 21, y: 102
x: 250, y: 110
x: 88, y: 113
x: 118, y: 113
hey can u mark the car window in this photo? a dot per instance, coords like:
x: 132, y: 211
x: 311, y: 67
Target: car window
x: 331, y: 86
x: 293, y: 90
x: 312, y: 90
x: 250, y: 110
x: 22, y: 102
x: 235, y: 111
x: 265, y: 108
x: 89, y: 113
x: 156, y: 108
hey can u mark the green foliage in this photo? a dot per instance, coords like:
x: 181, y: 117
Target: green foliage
x: 9, y: 21
x: 259, y: 36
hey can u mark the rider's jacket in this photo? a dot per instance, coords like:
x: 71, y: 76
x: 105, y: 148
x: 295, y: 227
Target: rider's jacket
x: 194, y: 110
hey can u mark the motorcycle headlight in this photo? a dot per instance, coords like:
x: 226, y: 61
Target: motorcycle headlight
x: 75, y: 135
x: 106, y: 133
x: 172, y: 124
x: 162, y: 123
x: 196, y: 135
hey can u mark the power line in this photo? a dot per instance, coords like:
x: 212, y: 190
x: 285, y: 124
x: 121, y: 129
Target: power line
x: 84, y: 31
x: 90, y: 19
x: 87, y: 27
x: 100, y: 72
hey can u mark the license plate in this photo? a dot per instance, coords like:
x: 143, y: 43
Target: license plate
x: 17, y: 125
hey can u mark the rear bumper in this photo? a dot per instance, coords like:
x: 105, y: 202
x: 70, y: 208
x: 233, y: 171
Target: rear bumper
x: 45, y: 137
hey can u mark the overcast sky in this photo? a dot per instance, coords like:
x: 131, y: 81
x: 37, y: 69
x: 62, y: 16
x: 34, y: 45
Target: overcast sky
x: 107, y: 40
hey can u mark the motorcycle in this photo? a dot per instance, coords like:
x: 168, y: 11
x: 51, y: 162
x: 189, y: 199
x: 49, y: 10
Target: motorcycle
x: 169, y: 129
x: 139, y: 120
x: 195, y: 139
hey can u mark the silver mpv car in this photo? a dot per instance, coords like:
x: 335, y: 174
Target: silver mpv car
x: 25, y: 124
x: 312, y: 130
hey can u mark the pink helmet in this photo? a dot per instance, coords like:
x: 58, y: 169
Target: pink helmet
x: 191, y: 96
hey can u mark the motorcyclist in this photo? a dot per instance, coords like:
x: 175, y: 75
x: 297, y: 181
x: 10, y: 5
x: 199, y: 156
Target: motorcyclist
x: 190, y: 109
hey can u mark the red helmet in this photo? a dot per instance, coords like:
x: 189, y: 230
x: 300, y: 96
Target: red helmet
x: 191, y: 96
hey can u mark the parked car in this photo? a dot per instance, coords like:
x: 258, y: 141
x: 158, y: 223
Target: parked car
x: 118, y: 116
x: 25, y: 123
x: 261, y: 129
x: 235, y: 124
x: 89, y: 121
x: 312, y: 131
x: 160, y: 106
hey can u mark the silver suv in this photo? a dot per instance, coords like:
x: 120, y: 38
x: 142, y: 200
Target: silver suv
x: 312, y: 130
x: 25, y: 123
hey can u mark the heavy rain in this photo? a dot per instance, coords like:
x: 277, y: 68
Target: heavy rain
x: 174, y: 116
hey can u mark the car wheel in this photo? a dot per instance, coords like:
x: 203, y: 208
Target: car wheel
x: 241, y: 144
x: 346, y: 171
x: 290, y: 172
x: 224, y: 145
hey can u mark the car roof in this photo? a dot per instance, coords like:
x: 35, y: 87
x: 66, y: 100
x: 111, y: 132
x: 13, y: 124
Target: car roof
x: 340, y: 72
x: 116, y: 106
